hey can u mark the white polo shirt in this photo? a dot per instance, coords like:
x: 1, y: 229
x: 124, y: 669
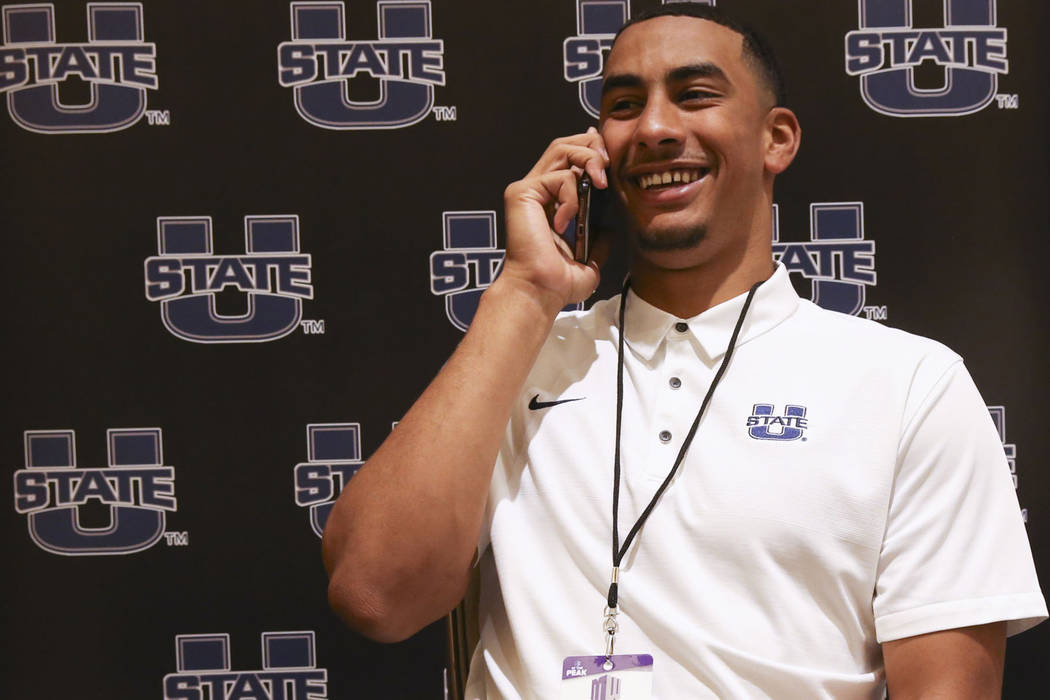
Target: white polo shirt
x: 846, y: 487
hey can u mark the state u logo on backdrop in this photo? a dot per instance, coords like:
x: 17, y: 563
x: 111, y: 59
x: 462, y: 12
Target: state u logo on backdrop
x: 467, y: 264
x: 272, y: 274
x: 884, y: 52
x: 289, y: 669
x: 333, y: 456
x: 116, y: 62
x: 134, y: 491
x: 837, y: 259
x: 319, y: 62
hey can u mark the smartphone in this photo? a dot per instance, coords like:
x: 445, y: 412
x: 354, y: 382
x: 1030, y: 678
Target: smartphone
x: 598, y: 216
x: 582, y: 241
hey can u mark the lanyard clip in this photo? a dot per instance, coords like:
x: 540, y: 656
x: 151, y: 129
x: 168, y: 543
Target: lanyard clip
x: 609, y: 624
x: 610, y: 627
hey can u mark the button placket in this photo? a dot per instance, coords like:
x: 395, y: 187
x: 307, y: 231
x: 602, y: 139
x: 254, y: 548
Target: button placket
x: 677, y: 345
x: 673, y: 408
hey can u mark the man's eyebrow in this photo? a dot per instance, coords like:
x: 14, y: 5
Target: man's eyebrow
x: 620, y: 80
x: 697, y: 70
x: 705, y: 69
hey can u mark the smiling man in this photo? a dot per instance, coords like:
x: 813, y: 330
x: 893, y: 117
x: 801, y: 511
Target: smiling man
x: 706, y: 478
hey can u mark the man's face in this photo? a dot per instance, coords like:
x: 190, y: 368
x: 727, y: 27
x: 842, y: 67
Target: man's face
x: 680, y: 103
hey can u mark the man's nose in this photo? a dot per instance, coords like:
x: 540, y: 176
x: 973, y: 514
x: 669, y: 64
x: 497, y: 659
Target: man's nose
x: 659, y: 124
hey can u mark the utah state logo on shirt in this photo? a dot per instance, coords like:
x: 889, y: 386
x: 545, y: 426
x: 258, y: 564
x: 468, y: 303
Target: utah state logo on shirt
x: 764, y: 424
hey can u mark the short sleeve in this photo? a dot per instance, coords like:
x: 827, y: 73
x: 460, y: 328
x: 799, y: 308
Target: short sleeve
x: 955, y: 552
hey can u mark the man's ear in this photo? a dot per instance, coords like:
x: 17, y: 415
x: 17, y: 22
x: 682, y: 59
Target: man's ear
x: 784, y: 135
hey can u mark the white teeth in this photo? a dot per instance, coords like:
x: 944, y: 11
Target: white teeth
x: 668, y: 177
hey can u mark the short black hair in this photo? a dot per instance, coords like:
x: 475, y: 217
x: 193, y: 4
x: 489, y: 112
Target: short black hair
x: 756, y: 49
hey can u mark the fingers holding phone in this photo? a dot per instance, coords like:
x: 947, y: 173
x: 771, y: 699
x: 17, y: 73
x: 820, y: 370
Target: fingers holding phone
x: 540, y: 208
x: 585, y: 155
x: 584, y: 151
x: 536, y: 252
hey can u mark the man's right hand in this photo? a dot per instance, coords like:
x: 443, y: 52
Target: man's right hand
x: 541, y: 205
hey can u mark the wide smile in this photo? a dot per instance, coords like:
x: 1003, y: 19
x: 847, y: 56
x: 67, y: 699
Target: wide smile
x: 669, y: 178
x: 670, y: 185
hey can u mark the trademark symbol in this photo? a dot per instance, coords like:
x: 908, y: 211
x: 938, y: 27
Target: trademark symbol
x: 875, y: 313
x: 158, y: 117
x: 1008, y: 101
x: 177, y: 539
x: 444, y: 114
x: 312, y: 326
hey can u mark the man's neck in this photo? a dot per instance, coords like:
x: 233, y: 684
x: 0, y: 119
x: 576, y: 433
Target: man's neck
x: 690, y: 291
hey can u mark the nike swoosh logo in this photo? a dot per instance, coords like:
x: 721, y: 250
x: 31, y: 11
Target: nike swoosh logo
x: 535, y: 404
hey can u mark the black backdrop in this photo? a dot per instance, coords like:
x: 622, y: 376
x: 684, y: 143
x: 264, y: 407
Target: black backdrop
x: 955, y: 204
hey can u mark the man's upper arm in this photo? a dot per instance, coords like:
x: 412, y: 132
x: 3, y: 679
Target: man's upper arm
x: 958, y: 663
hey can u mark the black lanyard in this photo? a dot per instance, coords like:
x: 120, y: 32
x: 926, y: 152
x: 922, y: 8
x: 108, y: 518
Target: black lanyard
x: 618, y: 552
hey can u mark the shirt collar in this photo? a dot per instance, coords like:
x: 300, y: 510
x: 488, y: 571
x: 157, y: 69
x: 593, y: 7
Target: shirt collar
x: 647, y: 326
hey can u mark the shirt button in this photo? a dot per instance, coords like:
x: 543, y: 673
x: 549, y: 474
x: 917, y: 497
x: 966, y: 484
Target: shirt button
x: 681, y: 326
x: 675, y: 382
x: 665, y: 436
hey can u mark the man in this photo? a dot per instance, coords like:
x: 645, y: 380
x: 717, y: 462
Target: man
x: 838, y: 516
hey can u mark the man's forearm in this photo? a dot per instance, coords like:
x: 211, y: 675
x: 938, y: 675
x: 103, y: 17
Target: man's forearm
x: 400, y: 539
